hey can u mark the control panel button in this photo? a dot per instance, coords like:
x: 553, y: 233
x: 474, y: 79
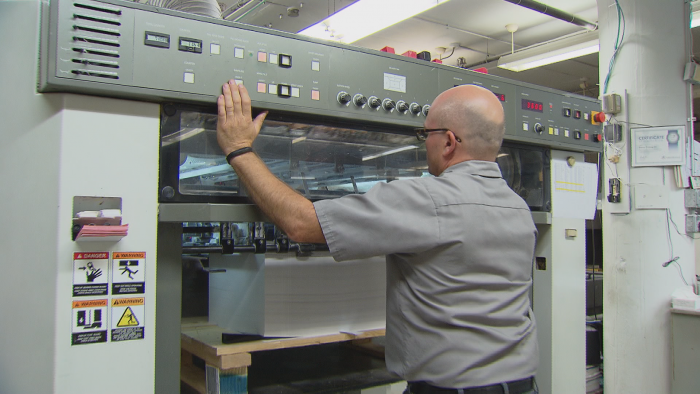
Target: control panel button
x: 262, y: 57
x: 556, y: 131
x: 359, y: 100
x: 538, y: 128
x: 586, y: 116
x: 577, y: 135
x: 238, y: 53
x: 262, y: 87
x: 284, y: 90
x: 388, y: 104
x: 273, y: 58
x: 374, y: 102
x: 285, y: 61
x: 401, y: 106
x: 343, y: 98
x: 215, y: 49
x: 315, y: 94
x: 551, y: 130
x: 577, y: 114
x: 597, y: 137
x: 315, y: 66
x: 238, y: 81
x: 526, y: 126
x: 296, y: 92
x: 189, y: 78
x: 586, y: 137
x: 272, y: 88
x: 567, y: 133
x: 566, y: 112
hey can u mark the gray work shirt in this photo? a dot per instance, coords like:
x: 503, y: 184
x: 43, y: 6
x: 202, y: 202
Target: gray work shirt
x: 459, y: 251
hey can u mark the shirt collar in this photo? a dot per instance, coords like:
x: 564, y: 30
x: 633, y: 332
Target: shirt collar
x: 476, y: 167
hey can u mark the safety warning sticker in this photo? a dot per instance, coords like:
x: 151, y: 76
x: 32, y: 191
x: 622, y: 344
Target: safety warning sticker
x: 89, y: 322
x: 128, y: 318
x: 128, y: 272
x: 90, y: 273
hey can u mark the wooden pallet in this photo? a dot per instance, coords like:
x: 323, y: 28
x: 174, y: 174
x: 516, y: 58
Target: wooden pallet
x: 227, y: 364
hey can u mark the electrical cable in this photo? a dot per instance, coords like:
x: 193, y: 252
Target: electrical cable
x: 621, y: 24
x: 453, y: 52
x: 674, y: 259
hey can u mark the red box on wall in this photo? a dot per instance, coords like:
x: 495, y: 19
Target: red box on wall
x: 388, y: 50
x: 412, y: 54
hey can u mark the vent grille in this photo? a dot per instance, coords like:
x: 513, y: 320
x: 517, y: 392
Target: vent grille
x: 96, y: 40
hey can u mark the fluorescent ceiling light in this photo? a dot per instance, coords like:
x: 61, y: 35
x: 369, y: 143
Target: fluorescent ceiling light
x: 366, y: 17
x: 551, y: 52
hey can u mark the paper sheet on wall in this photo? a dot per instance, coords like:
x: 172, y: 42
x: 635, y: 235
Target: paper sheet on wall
x: 574, y: 190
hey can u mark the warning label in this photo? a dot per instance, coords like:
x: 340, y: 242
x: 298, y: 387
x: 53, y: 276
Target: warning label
x: 128, y: 272
x: 90, y: 273
x: 89, y: 322
x: 128, y: 318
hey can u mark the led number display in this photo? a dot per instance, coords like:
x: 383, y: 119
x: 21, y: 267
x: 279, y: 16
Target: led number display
x: 535, y: 106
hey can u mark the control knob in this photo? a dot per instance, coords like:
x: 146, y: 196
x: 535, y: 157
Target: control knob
x: 388, y: 104
x: 359, y: 100
x: 426, y: 108
x: 414, y: 108
x: 374, y: 102
x: 538, y: 128
x: 343, y: 98
x: 401, y: 106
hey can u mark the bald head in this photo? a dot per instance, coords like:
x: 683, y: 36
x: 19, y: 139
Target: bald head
x: 475, y: 115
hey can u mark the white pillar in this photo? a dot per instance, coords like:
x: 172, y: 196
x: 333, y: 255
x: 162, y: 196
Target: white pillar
x: 637, y: 288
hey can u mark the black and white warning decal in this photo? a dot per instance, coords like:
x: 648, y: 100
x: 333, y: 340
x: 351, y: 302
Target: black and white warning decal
x: 89, y: 322
x: 128, y: 315
x: 128, y: 272
x: 90, y: 273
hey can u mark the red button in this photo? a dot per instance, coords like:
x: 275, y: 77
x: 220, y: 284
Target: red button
x: 585, y: 136
x: 599, y: 117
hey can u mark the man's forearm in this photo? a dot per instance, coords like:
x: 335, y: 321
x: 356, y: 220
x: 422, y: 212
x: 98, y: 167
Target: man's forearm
x: 292, y: 212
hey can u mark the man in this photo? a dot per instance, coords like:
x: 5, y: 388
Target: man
x: 459, y: 246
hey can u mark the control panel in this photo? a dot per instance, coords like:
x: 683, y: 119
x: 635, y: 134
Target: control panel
x: 129, y: 50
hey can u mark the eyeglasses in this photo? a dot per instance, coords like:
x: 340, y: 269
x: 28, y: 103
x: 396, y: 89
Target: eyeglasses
x: 422, y: 133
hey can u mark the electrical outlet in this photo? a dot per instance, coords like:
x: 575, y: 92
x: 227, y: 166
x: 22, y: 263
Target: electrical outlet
x: 612, y: 103
x: 612, y: 132
x: 692, y: 224
x: 692, y: 198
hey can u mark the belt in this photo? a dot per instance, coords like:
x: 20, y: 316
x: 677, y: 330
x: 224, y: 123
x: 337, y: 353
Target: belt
x: 513, y: 387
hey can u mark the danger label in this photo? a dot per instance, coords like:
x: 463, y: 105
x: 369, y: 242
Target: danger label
x: 90, y: 273
x: 128, y: 273
x: 89, y: 322
x: 128, y: 316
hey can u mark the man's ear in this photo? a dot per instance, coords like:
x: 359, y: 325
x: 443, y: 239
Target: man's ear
x: 450, y: 144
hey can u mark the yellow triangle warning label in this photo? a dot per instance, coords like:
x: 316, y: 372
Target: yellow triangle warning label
x: 128, y: 319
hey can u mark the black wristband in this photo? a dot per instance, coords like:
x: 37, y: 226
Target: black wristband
x: 238, y: 152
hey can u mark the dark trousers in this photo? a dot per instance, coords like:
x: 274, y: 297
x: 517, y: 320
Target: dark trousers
x: 523, y: 386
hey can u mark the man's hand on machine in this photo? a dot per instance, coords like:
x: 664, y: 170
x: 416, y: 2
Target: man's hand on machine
x: 236, y: 128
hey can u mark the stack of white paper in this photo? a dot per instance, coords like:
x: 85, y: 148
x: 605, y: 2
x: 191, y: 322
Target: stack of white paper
x: 282, y: 296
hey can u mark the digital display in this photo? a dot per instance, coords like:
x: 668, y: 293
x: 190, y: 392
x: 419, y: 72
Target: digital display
x: 151, y: 37
x: 530, y: 105
x: 501, y: 96
x: 190, y: 45
x: 157, y: 39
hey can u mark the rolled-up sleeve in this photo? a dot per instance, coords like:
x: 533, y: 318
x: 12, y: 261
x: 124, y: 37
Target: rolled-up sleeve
x: 396, y: 217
